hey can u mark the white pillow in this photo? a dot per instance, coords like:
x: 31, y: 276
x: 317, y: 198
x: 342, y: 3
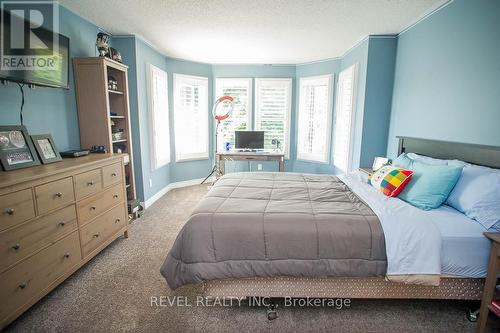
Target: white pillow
x: 426, y: 159
x: 477, y: 195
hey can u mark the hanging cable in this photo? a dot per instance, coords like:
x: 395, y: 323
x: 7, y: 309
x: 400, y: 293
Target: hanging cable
x: 21, y: 86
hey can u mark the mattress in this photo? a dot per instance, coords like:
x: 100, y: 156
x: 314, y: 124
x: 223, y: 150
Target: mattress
x: 258, y: 224
x: 465, y: 250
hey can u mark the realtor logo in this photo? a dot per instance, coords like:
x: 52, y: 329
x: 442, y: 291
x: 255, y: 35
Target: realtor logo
x: 29, y: 35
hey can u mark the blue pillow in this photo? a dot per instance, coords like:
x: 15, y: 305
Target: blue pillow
x: 430, y: 185
x: 403, y: 161
x: 477, y: 195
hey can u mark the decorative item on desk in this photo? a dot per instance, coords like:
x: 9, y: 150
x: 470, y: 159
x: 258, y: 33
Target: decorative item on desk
x: 112, y: 84
x: 98, y: 149
x: 46, y: 148
x: 102, y: 43
x: 16, y: 148
x: 277, y: 143
x: 75, y: 153
x: 228, y: 146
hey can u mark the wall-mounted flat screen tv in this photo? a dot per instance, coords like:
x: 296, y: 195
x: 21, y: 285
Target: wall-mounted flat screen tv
x: 51, y: 73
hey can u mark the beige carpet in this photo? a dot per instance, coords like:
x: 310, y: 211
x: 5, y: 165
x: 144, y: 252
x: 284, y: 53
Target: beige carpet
x: 113, y: 292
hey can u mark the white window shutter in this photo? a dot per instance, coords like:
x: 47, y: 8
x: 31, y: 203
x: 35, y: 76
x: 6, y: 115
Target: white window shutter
x: 240, y: 119
x: 191, y: 117
x: 272, y: 111
x: 158, y: 115
x: 344, y: 119
x: 314, y: 118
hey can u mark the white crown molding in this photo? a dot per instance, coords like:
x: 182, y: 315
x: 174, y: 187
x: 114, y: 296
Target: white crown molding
x: 424, y: 17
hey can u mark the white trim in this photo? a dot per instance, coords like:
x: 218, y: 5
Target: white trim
x: 155, y: 164
x: 250, y: 96
x: 355, y: 67
x: 203, y: 80
x: 424, y: 17
x: 328, y: 137
x: 289, y: 82
x: 249, y: 105
x: 148, y: 203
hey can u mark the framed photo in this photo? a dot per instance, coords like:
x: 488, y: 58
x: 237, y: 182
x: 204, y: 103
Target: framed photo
x: 16, y: 148
x: 46, y: 149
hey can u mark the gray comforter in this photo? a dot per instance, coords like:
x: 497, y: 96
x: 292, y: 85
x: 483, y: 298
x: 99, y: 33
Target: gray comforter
x: 277, y: 224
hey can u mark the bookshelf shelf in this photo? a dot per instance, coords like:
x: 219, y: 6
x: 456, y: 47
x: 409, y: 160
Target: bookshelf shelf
x: 96, y: 102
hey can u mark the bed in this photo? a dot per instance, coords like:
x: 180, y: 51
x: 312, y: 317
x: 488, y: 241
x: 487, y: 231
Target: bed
x: 297, y: 235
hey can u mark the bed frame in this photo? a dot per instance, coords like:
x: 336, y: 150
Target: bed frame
x: 373, y: 287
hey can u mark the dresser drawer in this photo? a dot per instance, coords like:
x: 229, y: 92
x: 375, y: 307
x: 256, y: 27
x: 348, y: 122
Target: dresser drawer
x: 99, y: 203
x: 88, y: 183
x: 21, y: 283
x: 15, y: 208
x: 20, y: 242
x: 101, y: 229
x: 54, y: 195
x: 112, y: 174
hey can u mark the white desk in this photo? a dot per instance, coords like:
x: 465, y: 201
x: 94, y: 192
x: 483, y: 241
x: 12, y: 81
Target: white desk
x: 249, y: 156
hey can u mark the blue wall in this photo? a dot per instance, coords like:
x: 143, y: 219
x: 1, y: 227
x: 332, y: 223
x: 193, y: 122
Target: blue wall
x: 378, y: 97
x: 50, y: 110
x: 186, y: 170
x: 447, y: 80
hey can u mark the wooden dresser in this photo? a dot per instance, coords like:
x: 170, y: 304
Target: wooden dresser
x: 53, y: 219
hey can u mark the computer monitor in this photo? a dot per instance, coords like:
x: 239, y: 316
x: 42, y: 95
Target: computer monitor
x: 249, y: 140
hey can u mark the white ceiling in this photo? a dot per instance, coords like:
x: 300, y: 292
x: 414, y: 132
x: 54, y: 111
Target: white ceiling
x: 253, y: 31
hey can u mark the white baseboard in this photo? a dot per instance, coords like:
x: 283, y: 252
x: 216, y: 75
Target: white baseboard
x: 170, y: 187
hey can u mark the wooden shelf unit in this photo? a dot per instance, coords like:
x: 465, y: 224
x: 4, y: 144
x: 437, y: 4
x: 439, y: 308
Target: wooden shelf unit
x: 95, y: 102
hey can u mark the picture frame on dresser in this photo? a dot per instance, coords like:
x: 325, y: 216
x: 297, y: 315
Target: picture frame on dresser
x: 16, y: 148
x: 46, y: 148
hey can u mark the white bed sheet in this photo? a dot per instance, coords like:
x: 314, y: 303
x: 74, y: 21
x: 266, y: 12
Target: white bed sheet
x: 465, y: 250
x: 412, y: 243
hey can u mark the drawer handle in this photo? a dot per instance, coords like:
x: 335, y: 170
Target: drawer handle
x: 93, y: 208
x: 62, y: 224
x: 96, y: 235
x: 9, y: 211
x: 115, y: 196
x: 23, y: 285
x: 16, y: 247
x: 66, y: 255
x: 90, y: 183
x: 59, y: 194
x: 114, y: 174
x: 117, y: 220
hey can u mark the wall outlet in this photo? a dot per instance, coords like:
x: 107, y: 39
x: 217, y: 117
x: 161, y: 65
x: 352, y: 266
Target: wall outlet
x: 259, y: 167
x: 150, y: 182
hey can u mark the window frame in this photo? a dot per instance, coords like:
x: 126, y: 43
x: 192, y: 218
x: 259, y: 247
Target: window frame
x: 352, y: 138
x: 306, y: 157
x: 155, y: 162
x: 250, y: 100
x: 289, y: 82
x: 191, y: 156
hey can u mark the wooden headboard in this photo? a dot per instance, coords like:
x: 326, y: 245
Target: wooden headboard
x: 476, y: 154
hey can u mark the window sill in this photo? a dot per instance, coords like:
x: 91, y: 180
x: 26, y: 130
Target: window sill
x: 190, y: 159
